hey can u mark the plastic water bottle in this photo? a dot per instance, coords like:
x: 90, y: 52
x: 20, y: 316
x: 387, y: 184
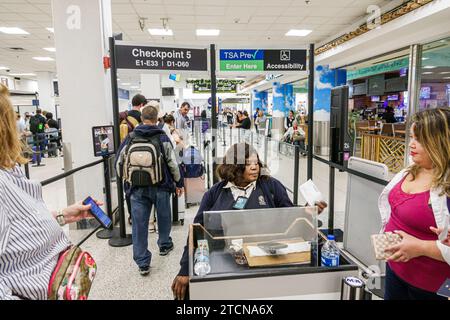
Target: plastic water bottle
x: 201, y: 258
x: 330, y: 253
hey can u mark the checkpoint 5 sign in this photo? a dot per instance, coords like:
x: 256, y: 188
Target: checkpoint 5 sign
x: 161, y: 58
x: 262, y: 60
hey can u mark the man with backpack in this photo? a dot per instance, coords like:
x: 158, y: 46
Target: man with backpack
x: 131, y: 119
x: 147, y: 161
x: 37, y: 128
x: 128, y: 121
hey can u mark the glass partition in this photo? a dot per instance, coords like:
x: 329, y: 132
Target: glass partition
x: 244, y: 240
x: 435, y: 75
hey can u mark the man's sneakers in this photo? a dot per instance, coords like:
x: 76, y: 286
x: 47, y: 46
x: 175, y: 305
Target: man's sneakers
x: 144, y: 271
x: 164, y: 251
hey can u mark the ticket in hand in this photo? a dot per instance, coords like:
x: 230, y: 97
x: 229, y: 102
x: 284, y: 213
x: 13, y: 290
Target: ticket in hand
x: 311, y: 193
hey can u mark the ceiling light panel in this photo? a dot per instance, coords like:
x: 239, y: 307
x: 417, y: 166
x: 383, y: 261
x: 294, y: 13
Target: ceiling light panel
x: 43, y: 58
x: 207, y: 32
x: 12, y: 30
x: 161, y: 32
x: 298, y: 33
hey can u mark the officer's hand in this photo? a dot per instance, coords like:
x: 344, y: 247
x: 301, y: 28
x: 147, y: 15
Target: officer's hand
x: 179, y: 287
x: 179, y: 191
x: 321, y: 205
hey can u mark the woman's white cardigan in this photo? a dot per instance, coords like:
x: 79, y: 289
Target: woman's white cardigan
x: 438, y: 204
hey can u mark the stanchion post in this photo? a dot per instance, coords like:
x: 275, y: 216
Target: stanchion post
x: 266, y: 142
x: 107, y: 233
x: 296, y: 173
x: 331, y: 202
x: 123, y: 239
x: 310, y: 111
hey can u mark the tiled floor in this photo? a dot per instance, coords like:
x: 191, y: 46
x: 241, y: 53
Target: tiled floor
x: 118, y: 276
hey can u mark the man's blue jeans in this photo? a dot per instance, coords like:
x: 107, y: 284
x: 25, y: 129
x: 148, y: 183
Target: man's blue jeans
x: 142, y: 201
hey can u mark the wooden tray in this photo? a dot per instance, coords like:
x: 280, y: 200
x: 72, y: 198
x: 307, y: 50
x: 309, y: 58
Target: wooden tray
x: 276, y: 260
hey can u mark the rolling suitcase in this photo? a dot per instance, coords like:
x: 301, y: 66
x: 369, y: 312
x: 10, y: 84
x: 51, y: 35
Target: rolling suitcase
x: 195, y: 189
x: 178, y: 208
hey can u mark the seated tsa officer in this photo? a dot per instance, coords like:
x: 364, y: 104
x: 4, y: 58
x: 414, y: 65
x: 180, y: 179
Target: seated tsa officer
x: 415, y: 206
x: 31, y: 237
x: 245, y: 185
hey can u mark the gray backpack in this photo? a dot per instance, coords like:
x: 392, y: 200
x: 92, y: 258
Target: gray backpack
x: 143, y: 164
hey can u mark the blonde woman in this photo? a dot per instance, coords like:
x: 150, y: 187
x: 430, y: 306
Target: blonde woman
x: 415, y: 206
x: 31, y: 237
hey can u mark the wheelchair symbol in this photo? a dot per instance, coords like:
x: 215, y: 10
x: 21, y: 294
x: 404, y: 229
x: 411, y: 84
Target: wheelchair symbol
x: 285, y: 55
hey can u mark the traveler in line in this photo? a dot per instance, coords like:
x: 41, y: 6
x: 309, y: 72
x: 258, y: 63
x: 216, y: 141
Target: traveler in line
x: 414, y: 205
x: 52, y: 132
x: 289, y: 120
x: 31, y: 239
x: 145, y: 193
x: 181, y: 117
x: 250, y: 180
x: 255, y: 116
x: 37, y: 128
x: 128, y: 121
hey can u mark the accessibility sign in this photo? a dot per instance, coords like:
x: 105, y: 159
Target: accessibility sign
x: 262, y: 60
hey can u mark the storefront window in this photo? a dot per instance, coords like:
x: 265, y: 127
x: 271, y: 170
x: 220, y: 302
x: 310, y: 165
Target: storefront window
x: 435, y: 77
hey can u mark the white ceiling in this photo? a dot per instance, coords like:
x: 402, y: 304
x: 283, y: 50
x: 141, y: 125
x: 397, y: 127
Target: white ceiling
x: 242, y: 23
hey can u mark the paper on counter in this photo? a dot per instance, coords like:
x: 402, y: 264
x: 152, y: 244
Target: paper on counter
x: 291, y: 248
x: 311, y: 193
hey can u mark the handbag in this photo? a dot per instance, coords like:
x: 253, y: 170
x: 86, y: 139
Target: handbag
x: 73, y: 275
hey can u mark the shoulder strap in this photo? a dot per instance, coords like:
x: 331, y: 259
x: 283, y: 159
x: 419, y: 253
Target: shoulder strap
x: 134, y: 123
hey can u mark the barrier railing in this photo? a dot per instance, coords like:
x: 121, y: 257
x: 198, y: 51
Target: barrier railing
x: 106, y: 233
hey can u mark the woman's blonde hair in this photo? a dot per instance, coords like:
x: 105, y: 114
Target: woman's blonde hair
x: 10, y: 145
x: 432, y: 130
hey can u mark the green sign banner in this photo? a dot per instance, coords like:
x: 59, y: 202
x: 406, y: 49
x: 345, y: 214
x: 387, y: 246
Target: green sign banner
x: 242, y: 65
x: 379, y: 68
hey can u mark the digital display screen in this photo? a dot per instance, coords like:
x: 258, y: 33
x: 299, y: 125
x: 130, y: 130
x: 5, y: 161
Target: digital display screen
x: 98, y: 213
x: 393, y: 97
x: 425, y: 92
x: 103, y: 140
x: 375, y: 98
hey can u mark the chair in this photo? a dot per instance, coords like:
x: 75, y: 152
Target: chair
x: 372, y: 123
x: 399, y: 127
x: 387, y: 129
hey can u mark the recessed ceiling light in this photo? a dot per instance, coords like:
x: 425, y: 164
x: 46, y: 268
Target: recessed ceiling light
x: 125, y: 84
x: 4, y: 68
x: 425, y: 58
x: 429, y: 67
x: 446, y: 78
x: 427, y: 72
x: 297, y: 33
x: 52, y: 30
x: 50, y: 49
x: 161, y: 32
x: 134, y: 87
x: 12, y: 30
x: 22, y: 74
x: 445, y: 72
x: 207, y: 32
x: 43, y: 58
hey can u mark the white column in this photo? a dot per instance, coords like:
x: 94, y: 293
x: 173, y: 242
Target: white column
x: 82, y: 28
x: 46, y: 92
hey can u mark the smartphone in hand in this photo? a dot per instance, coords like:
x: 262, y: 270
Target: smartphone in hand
x: 98, y: 213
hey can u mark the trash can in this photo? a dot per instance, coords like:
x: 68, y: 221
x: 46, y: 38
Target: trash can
x: 352, y: 288
x: 321, y: 138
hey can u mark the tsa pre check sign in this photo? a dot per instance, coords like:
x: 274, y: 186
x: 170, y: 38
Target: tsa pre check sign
x: 161, y: 58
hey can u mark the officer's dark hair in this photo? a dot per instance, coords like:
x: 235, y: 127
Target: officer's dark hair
x: 233, y: 166
x: 138, y: 100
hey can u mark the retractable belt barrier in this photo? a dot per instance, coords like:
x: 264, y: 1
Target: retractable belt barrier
x: 106, y: 187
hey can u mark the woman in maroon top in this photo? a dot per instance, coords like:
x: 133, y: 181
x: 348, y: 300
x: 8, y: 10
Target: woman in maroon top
x: 414, y: 205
